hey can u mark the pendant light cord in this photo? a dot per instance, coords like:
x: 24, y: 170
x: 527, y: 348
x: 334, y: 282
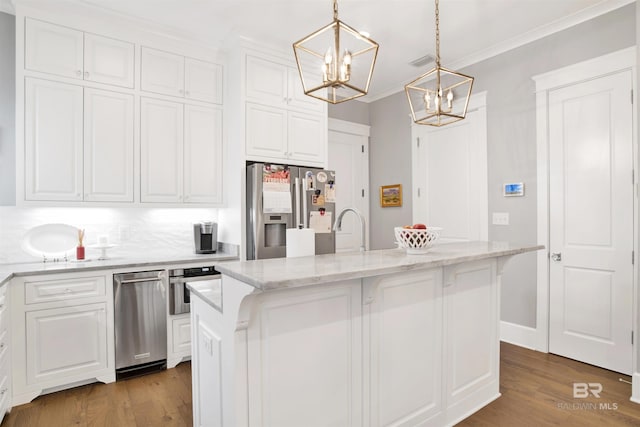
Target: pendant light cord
x: 437, y: 35
x: 335, y: 10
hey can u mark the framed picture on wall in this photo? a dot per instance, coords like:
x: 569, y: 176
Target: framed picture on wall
x: 391, y: 195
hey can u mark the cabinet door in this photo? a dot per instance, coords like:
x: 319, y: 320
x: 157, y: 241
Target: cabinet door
x: 307, y: 138
x: 202, y: 155
x: 53, y: 49
x: 471, y: 333
x: 266, y: 132
x: 108, y: 60
x: 53, y: 140
x: 202, y: 81
x: 63, y: 342
x: 296, y: 96
x: 266, y: 81
x: 284, y: 357
x: 162, y: 72
x: 405, y: 335
x: 181, y: 335
x: 161, y: 145
x: 108, y: 146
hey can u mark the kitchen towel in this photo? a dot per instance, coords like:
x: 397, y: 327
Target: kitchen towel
x: 300, y: 242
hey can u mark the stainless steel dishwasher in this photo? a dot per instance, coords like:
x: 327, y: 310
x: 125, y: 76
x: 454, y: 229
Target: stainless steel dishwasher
x: 140, y: 316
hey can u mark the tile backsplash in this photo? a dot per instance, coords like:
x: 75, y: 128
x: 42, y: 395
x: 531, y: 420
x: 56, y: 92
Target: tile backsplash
x: 135, y: 231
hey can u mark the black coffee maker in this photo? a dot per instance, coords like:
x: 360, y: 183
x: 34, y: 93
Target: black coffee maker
x: 205, y: 236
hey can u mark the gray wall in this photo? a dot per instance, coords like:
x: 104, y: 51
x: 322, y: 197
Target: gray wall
x: 7, y: 109
x: 350, y: 111
x: 511, y: 128
x: 389, y: 163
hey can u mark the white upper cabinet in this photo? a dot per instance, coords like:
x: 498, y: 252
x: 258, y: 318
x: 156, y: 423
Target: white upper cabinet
x: 162, y: 72
x: 53, y: 141
x: 282, y: 123
x: 161, y: 145
x: 276, y: 84
x: 175, y: 75
x: 66, y: 52
x: 202, y: 81
x: 181, y: 152
x: 108, y: 61
x: 76, y: 152
x: 53, y: 49
x: 202, y: 154
x: 108, y: 146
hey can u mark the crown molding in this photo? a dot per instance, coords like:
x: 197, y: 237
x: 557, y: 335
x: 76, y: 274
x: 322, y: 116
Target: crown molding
x: 515, y: 42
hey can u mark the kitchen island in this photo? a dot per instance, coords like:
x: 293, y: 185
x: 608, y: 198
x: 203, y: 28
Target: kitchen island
x: 364, y: 338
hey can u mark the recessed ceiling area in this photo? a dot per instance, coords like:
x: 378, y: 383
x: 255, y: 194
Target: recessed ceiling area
x: 470, y: 30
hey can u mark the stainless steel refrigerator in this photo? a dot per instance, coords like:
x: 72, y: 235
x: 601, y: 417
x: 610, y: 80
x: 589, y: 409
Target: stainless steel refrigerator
x: 280, y: 197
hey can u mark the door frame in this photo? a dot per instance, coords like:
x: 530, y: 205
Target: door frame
x: 611, y: 63
x: 358, y: 129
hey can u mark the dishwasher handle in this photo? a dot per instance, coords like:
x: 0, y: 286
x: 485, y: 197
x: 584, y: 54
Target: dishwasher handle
x: 145, y: 279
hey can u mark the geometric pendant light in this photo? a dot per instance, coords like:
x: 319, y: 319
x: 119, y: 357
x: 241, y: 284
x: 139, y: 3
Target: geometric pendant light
x: 335, y: 62
x: 440, y: 96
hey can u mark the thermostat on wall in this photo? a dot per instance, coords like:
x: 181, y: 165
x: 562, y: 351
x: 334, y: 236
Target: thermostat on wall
x: 514, y: 189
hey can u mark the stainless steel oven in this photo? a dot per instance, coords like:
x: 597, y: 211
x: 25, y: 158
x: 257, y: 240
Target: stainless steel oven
x: 179, y: 296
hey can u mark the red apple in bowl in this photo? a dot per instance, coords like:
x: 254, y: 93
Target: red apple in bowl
x: 419, y: 227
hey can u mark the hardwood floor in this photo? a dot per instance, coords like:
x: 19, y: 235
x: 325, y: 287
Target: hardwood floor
x: 537, y: 391
x: 155, y: 400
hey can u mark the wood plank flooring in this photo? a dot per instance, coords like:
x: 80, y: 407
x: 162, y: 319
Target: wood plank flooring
x: 155, y: 400
x: 537, y: 391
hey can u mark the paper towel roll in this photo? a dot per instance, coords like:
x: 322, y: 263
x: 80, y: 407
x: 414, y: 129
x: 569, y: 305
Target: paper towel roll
x: 301, y: 242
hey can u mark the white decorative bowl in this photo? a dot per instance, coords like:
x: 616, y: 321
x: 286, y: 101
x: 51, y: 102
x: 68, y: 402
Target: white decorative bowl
x: 416, y: 241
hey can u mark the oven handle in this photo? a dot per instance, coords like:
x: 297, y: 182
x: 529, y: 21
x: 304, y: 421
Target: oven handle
x: 194, y: 278
x: 146, y: 279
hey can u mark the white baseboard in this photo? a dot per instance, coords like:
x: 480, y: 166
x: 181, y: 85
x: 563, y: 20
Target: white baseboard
x: 523, y: 336
x: 635, y: 387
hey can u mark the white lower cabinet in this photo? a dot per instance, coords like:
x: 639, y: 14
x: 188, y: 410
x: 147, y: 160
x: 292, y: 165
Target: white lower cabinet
x: 404, y: 331
x: 5, y: 354
x: 297, y: 351
x: 53, y: 352
x: 412, y: 348
x: 178, y: 339
x: 62, y: 332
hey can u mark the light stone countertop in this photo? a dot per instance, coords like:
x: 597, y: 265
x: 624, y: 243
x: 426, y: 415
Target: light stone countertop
x: 8, y: 271
x: 271, y: 274
x: 209, y: 291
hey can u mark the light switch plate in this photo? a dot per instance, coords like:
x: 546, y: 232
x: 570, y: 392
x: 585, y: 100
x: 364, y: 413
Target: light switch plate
x: 500, y: 218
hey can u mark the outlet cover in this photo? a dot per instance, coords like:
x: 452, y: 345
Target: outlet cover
x: 500, y: 218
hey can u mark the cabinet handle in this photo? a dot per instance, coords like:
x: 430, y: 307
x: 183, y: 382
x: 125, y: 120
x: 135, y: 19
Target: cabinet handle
x: 2, y: 345
x: 68, y: 290
x: 187, y: 93
x: 181, y: 92
x: 78, y: 73
x: 86, y: 74
x: 3, y: 391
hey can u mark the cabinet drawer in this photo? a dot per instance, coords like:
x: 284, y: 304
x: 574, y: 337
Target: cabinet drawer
x: 64, y: 289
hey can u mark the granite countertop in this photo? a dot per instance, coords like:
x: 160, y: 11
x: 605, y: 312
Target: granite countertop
x: 270, y: 274
x: 210, y: 291
x: 7, y: 271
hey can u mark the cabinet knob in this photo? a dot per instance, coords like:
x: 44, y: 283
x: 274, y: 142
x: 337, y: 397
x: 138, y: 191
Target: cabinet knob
x: 181, y: 92
x: 86, y: 74
x: 187, y: 93
x: 78, y: 73
x: 68, y: 290
x: 3, y: 391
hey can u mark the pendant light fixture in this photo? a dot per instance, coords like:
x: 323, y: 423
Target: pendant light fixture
x: 440, y: 96
x: 335, y: 62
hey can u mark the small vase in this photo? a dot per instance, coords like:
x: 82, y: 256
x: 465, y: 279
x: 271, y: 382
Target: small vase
x: 80, y: 253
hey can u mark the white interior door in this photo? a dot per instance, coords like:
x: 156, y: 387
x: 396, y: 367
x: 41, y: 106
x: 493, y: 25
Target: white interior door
x: 349, y: 157
x: 450, y: 176
x: 591, y: 221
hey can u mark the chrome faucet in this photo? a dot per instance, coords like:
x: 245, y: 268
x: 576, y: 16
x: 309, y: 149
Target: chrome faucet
x: 337, y: 226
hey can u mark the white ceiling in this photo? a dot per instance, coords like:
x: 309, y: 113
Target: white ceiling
x: 470, y: 30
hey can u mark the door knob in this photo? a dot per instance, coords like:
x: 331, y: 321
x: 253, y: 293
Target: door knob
x: 557, y: 256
